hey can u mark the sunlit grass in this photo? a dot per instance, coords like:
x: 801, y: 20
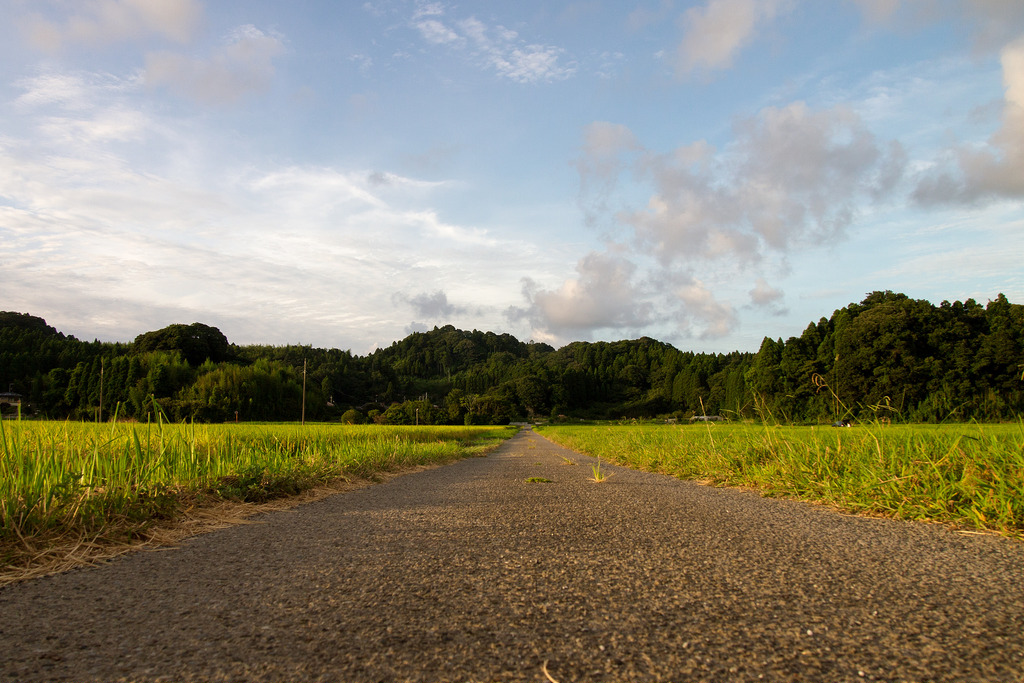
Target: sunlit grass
x: 966, y: 475
x: 109, y: 480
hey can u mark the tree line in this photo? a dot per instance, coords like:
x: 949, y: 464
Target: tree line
x: 888, y: 357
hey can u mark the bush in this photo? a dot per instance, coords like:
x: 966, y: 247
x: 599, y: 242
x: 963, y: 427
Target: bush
x: 353, y: 417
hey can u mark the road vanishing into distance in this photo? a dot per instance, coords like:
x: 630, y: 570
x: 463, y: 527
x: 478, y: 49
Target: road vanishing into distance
x: 469, y: 572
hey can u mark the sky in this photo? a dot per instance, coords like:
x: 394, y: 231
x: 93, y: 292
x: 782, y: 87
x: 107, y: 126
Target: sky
x: 341, y: 174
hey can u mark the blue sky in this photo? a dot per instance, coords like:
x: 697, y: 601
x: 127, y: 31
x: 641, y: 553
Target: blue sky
x: 341, y: 174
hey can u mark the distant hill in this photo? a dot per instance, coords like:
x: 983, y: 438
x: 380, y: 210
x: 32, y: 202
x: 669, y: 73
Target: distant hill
x: 888, y: 356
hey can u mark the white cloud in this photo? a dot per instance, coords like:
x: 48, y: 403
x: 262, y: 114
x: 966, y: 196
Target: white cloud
x: 715, y: 33
x: 428, y: 9
x: 531, y: 63
x: 792, y: 177
x: 103, y: 22
x: 275, y: 254
x: 764, y: 294
x: 437, y: 33
x: 607, y: 150
x: 74, y: 116
x: 769, y: 298
x: 364, y: 62
x: 991, y: 171
x: 968, y: 252
x: 494, y: 47
x: 602, y: 296
x: 719, y: 318
x: 603, y: 145
x: 243, y: 66
x: 991, y: 22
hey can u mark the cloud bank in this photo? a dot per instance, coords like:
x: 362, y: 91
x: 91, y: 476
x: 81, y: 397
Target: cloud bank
x: 791, y: 180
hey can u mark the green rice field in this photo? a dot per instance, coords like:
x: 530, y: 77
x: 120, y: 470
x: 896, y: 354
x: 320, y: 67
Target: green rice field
x: 966, y: 475
x: 109, y: 481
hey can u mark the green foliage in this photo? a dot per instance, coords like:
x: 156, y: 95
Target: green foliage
x: 888, y: 357
x: 263, y: 391
x: 895, y: 358
x: 99, y: 480
x: 196, y: 342
x: 353, y: 417
x: 967, y: 475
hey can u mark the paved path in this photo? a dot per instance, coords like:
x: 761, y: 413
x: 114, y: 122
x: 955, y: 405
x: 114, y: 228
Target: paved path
x: 470, y: 573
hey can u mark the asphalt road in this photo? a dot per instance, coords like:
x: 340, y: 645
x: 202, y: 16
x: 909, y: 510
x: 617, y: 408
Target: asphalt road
x: 470, y: 573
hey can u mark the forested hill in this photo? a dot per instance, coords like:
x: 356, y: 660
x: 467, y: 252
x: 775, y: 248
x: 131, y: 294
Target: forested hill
x: 887, y: 357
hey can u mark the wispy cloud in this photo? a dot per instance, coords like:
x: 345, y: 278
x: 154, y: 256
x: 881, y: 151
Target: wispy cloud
x: 242, y: 66
x: 992, y: 23
x: 718, y: 317
x: 303, y: 252
x: 100, y: 23
x: 435, y: 32
x: 715, y: 33
x: 764, y: 296
x: 120, y: 195
x: 493, y: 47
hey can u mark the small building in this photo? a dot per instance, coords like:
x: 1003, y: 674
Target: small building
x: 10, y: 402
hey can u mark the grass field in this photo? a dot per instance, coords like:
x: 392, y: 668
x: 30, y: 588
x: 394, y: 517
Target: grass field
x: 109, y: 482
x: 969, y: 476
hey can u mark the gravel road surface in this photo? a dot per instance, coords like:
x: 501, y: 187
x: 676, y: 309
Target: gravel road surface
x: 470, y: 573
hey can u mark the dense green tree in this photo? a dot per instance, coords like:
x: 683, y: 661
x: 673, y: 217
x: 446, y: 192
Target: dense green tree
x: 196, y: 342
x: 887, y: 356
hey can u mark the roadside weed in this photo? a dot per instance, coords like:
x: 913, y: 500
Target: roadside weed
x: 599, y: 476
